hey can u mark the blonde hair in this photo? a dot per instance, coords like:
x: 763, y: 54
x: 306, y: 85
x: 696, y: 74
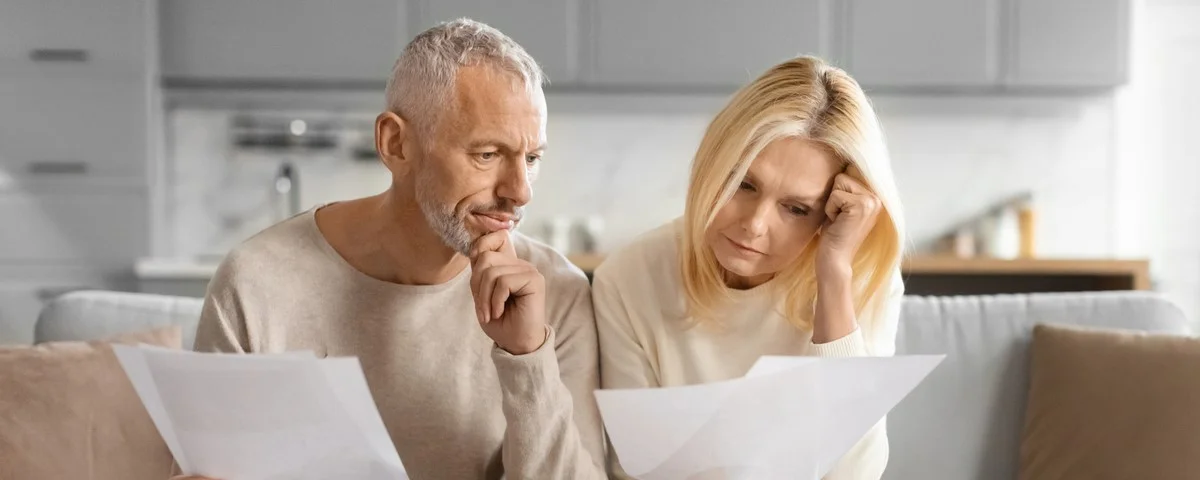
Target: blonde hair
x: 802, y: 97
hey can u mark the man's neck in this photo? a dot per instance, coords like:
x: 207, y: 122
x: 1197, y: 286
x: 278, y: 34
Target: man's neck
x: 389, y: 239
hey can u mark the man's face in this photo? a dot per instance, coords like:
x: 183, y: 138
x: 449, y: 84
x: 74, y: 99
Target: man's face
x: 476, y: 171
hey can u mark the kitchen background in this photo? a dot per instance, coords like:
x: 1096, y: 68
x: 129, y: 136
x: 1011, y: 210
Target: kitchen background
x: 141, y: 139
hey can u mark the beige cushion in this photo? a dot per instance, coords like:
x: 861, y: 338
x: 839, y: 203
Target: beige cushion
x: 68, y: 411
x: 1111, y: 404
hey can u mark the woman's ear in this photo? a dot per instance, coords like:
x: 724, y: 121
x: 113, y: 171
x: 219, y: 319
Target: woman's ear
x: 391, y: 133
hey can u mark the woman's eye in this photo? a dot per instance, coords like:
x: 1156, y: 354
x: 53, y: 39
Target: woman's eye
x: 797, y: 211
x: 746, y: 186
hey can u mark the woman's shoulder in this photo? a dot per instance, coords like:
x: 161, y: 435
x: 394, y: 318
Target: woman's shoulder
x: 651, y: 256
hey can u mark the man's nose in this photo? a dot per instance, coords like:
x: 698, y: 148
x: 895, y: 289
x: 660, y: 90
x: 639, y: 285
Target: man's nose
x: 514, y: 183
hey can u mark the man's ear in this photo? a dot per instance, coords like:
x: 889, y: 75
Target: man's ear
x: 391, y: 134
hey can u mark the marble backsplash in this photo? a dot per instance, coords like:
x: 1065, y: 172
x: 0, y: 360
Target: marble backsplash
x: 624, y: 162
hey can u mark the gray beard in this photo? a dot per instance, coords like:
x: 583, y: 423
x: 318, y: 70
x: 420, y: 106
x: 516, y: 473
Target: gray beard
x: 448, y: 226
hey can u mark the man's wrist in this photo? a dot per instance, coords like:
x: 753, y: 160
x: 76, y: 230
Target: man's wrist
x: 529, y: 346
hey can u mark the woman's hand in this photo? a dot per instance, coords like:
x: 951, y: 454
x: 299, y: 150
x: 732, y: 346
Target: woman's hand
x: 851, y: 211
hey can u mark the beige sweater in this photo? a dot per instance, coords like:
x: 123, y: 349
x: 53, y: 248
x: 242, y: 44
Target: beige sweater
x: 645, y: 339
x: 454, y: 405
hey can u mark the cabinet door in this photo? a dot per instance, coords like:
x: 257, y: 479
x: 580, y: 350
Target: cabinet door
x: 281, y: 40
x: 699, y: 43
x: 1070, y: 43
x: 115, y: 34
x: 923, y: 43
x: 547, y: 29
x: 101, y: 229
x: 60, y: 127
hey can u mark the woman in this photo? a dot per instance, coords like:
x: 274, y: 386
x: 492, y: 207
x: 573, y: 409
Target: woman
x: 790, y: 244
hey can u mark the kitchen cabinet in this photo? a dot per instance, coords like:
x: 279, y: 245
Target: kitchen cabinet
x: 73, y: 129
x: 24, y: 291
x: 55, y: 227
x: 350, y: 41
x: 53, y: 35
x: 923, y: 43
x: 547, y: 29
x: 668, y: 43
x: 1069, y: 43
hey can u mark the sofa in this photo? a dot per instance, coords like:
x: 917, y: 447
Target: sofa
x: 963, y: 422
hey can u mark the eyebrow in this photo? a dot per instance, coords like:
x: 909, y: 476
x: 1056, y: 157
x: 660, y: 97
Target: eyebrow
x: 808, y: 201
x: 500, y: 144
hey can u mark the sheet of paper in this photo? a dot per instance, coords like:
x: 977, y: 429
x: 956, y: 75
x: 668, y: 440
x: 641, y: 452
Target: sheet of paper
x: 276, y: 417
x: 789, y: 418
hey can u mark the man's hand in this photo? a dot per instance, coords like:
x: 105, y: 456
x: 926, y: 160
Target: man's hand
x: 510, y: 295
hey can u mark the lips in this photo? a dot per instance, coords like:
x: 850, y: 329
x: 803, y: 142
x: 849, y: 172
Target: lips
x: 742, y: 247
x: 496, y: 221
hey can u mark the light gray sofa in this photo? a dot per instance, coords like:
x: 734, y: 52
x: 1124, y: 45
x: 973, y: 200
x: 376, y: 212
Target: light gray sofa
x: 963, y: 422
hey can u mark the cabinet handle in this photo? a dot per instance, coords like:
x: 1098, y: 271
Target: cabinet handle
x: 76, y: 55
x: 51, y: 167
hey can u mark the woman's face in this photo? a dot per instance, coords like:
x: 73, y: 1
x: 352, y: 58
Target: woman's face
x: 775, y: 212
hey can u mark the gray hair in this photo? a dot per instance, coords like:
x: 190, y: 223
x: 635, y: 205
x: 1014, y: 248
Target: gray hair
x: 422, y: 80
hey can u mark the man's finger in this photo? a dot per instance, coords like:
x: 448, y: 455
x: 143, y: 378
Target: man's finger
x: 508, y: 286
x: 491, y: 280
x: 497, y: 241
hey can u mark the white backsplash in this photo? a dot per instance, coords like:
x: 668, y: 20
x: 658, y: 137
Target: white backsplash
x: 953, y: 156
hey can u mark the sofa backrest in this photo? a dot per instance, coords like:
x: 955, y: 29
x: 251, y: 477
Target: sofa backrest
x: 92, y: 315
x: 965, y: 420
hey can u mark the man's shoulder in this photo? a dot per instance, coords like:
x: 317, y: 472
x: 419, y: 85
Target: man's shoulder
x: 280, y: 246
x: 554, y: 266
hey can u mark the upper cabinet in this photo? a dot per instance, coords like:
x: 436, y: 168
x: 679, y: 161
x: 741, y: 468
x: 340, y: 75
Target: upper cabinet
x: 657, y: 45
x: 922, y: 43
x: 1071, y: 43
x: 548, y: 29
x: 39, y: 37
x: 281, y: 40
x: 637, y: 43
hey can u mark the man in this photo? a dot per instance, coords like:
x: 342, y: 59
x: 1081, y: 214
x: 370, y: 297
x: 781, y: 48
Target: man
x: 478, y: 344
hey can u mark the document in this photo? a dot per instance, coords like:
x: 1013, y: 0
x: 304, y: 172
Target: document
x: 263, y: 417
x: 788, y: 417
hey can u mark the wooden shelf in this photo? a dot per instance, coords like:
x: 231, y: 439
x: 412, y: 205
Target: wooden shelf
x: 1139, y: 269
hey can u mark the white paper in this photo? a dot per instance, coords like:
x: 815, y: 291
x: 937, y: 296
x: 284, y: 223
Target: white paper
x: 789, y: 417
x: 269, y: 417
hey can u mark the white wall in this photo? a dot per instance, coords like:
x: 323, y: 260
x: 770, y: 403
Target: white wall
x: 954, y: 157
x: 627, y: 159
x: 1158, y: 202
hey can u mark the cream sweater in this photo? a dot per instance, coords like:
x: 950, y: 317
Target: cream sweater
x: 454, y: 405
x: 645, y: 340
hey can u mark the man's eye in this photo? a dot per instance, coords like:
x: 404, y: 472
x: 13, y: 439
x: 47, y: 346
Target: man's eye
x: 797, y: 211
x: 532, y: 159
x: 488, y: 155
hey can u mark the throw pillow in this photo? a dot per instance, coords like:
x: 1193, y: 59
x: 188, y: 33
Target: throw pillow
x: 68, y: 411
x: 1111, y: 404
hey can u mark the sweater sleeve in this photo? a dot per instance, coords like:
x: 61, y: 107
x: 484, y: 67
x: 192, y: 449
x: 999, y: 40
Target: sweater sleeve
x: 553, y: 424
x: 623, y: 361
x: 867, y: 459
x: 221, y: 327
